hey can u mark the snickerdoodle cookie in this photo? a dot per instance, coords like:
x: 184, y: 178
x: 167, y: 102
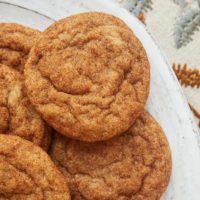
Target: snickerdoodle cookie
x: 88, y: 76
x: 17, y: 115
x: 27, y: 172
x: 15, y: 43
x: 133, y: 166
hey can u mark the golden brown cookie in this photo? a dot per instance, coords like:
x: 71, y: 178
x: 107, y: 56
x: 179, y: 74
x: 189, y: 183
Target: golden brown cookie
x: 27, y: 172
x: 17, y: 115
x: 133, y: 166
x: 88, y: 75
x: 15, y: 43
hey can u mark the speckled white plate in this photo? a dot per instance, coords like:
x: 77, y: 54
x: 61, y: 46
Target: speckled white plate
x: 166, y: 101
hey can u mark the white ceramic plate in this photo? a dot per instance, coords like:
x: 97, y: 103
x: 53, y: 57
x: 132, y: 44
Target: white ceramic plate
x: 166, y: 101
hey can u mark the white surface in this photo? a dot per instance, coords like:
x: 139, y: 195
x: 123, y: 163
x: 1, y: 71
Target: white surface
x: 166, y: 101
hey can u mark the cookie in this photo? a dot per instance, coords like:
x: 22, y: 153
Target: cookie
x: 88, y: 76
x: 17, y: 115
x: 15, y: 44
x: 27, y: 172
x: 135, y: 165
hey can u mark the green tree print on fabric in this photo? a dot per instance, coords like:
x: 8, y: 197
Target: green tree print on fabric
x: 181, y: 3
x: 185, y: 27
x: 186, y: 24
x: 137, y: 6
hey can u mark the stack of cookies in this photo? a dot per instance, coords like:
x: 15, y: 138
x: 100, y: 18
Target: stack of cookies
x: 78, y: 90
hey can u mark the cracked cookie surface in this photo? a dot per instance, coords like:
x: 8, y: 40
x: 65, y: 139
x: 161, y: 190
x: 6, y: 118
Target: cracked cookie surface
x: 17, y: 114
x: 27, y: 172
x: 15, y: 43
x: 88, y: 75
x: 133, y: 166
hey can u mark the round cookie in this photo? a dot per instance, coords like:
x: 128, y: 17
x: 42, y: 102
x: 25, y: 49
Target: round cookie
x: 88, y: 75
x: 15, y: 43
x: 17, y: 115
x: 133, y: 166
x: 27, y: 172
